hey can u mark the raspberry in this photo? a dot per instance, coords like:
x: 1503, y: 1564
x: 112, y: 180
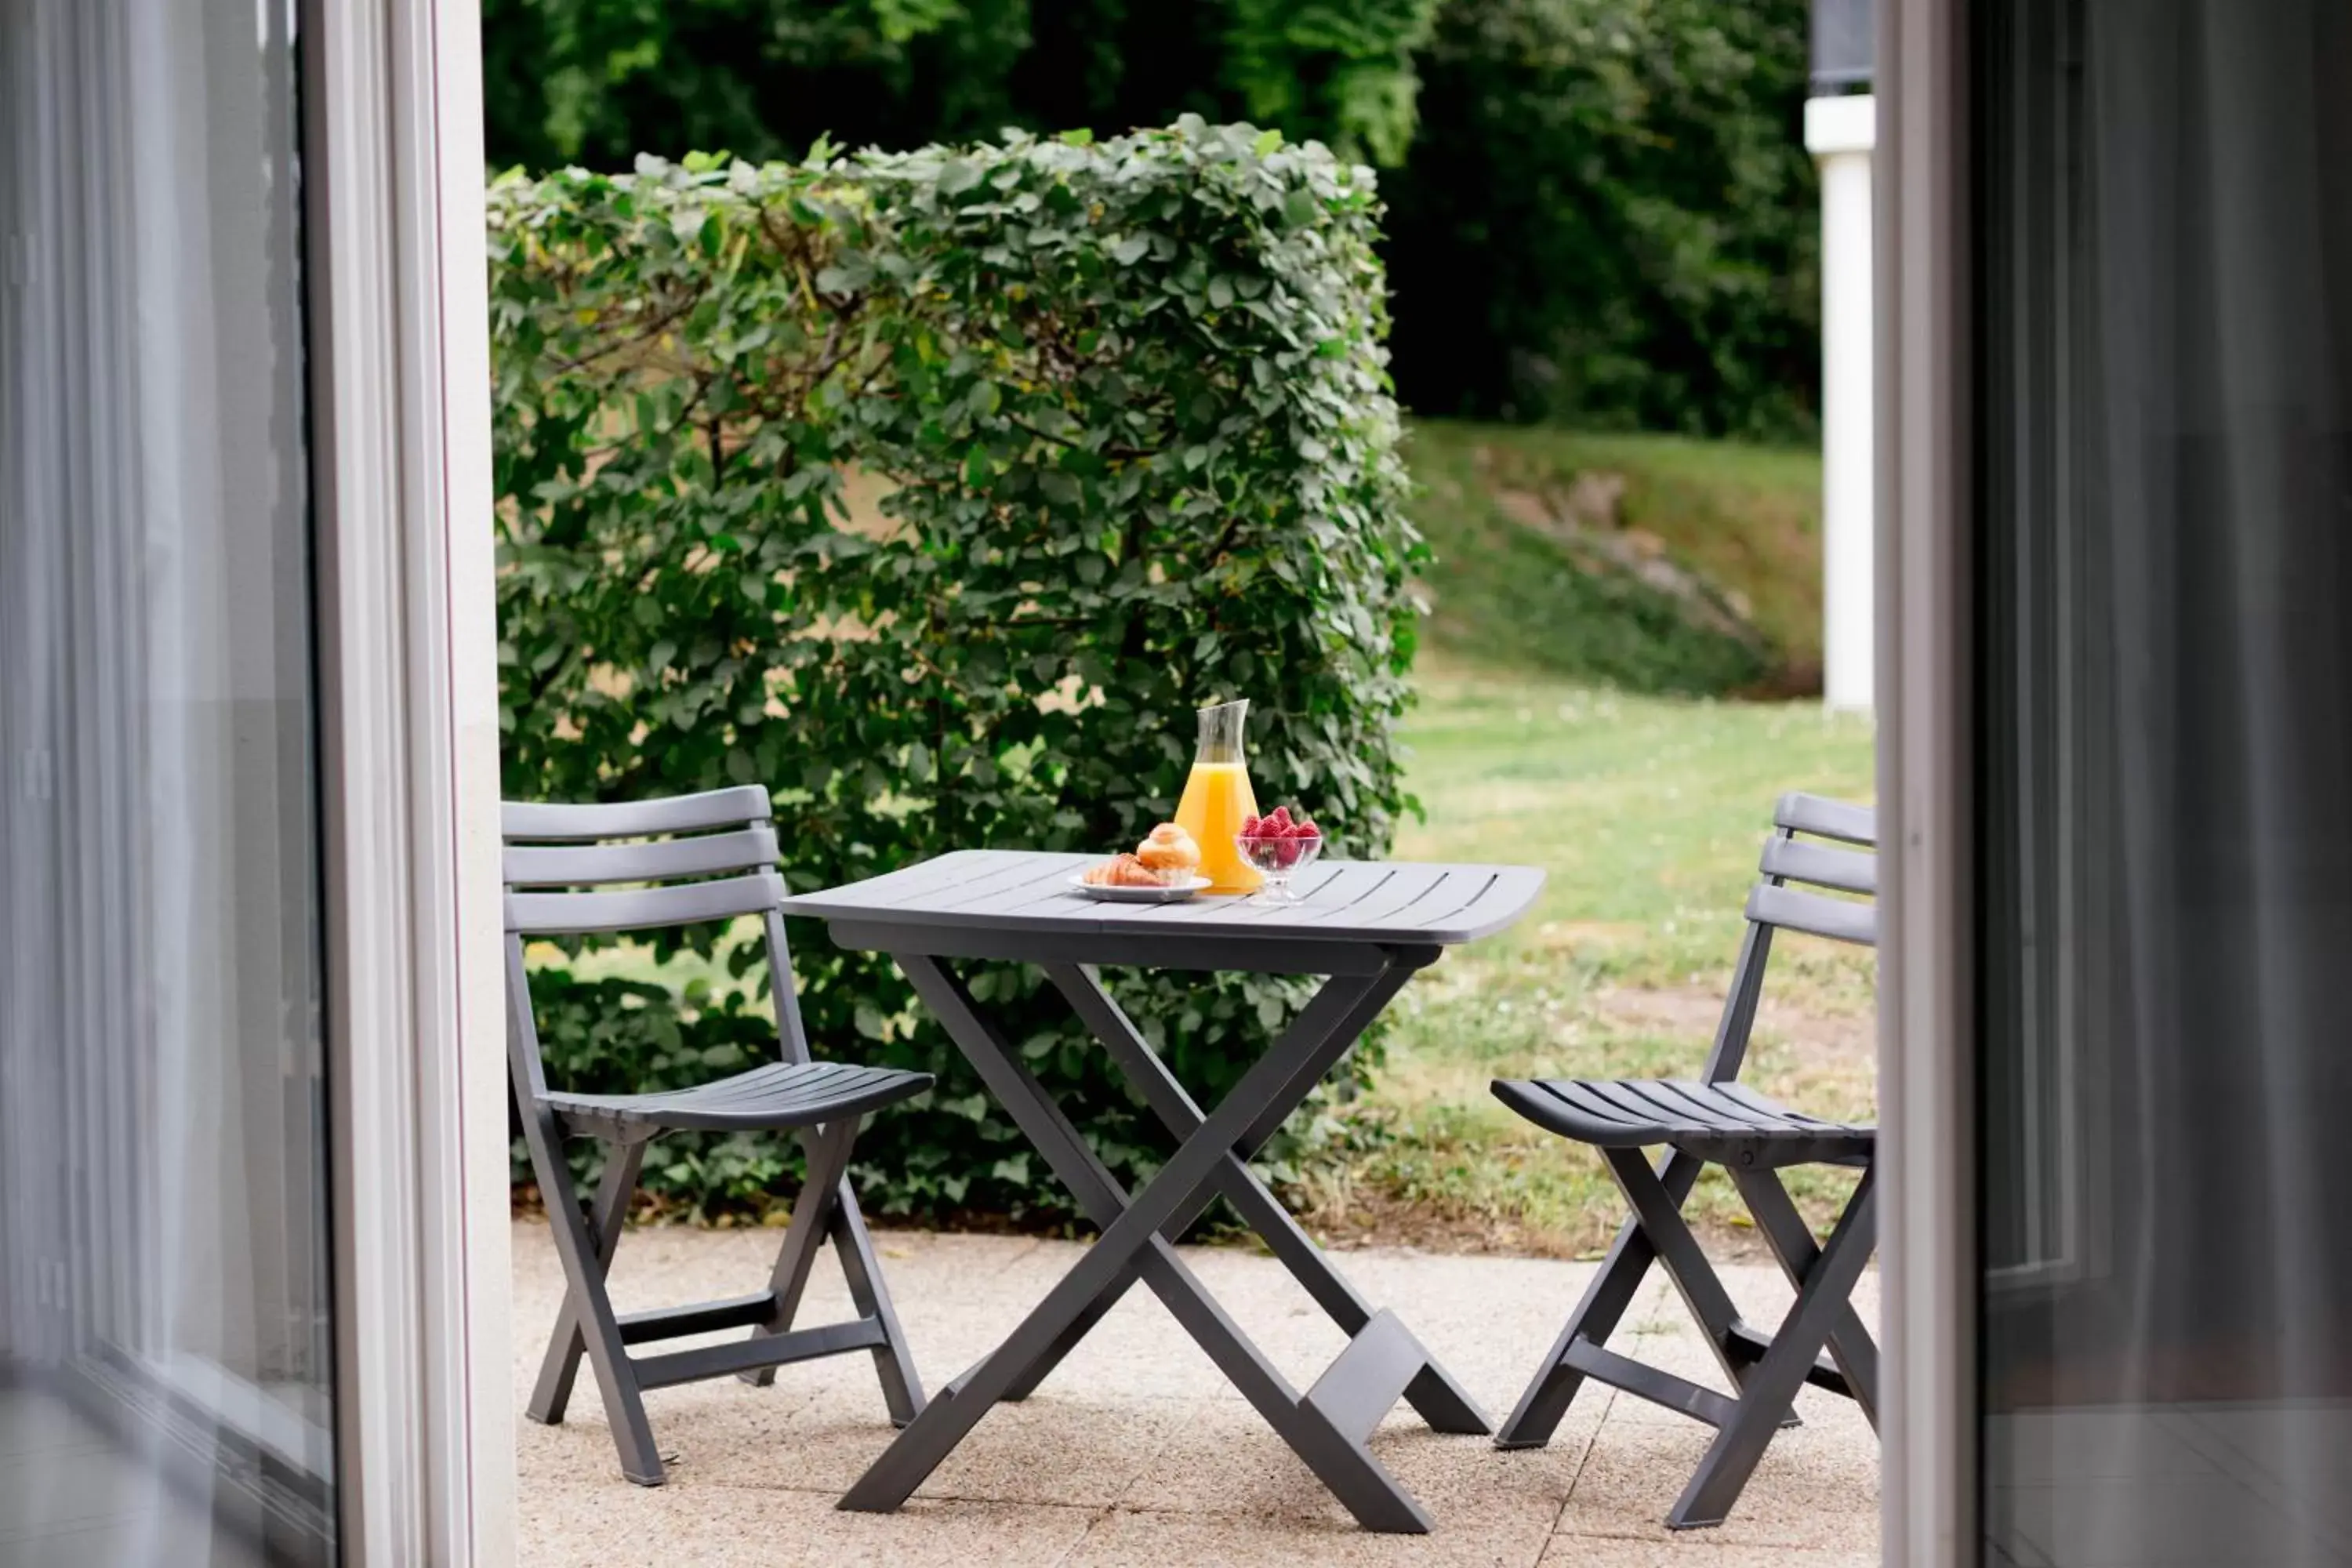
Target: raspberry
x: 1249, y: 826
x: 1303, y: 829
x: 1281, y: 816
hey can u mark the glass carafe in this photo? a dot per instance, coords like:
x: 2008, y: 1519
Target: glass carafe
x: 1217, y: 797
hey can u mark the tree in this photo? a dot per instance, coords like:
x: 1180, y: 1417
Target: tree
x: 598, y: 81
x: 1608, y: 217
x: 1600, y: 211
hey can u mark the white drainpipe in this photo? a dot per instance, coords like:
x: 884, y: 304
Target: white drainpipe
x: 1841, y: 133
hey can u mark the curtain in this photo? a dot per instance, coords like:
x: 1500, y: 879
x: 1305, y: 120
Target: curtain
x: 2165, y: 251
x: 164, y: 1229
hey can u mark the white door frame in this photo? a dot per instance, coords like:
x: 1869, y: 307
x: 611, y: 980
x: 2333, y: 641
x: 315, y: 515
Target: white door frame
x: 396, y: 279
x: 1927, y: 1082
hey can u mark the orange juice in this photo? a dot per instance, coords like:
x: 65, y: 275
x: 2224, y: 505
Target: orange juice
x: 1217, y: 797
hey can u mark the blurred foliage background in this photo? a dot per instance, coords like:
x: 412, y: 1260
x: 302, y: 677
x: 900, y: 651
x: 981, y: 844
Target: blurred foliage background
x: 1600, y: 213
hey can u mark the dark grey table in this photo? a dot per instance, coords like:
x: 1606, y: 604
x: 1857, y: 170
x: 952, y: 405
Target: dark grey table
x: 1367, y: 927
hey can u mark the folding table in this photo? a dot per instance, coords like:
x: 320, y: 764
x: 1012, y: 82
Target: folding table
x: 1367, y: 927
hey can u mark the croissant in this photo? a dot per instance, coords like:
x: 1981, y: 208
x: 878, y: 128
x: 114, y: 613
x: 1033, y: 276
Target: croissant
x: 1121, y: 871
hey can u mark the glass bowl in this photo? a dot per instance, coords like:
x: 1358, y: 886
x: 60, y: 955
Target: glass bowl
x: 1279, y: 860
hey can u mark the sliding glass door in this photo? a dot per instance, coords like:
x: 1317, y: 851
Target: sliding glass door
x: 2162, y: 791
x: 166, y: 1347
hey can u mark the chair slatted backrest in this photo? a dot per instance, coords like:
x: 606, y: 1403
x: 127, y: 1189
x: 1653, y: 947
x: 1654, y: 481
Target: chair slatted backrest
x: 687, y: 860
x: 1815, y: 842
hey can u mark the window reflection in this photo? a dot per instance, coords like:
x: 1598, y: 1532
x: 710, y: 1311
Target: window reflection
x: 165, y: 1335
x: 2165, y: 338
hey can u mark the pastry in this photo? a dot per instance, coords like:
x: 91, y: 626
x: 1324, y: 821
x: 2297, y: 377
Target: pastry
x: 1169, y: 849
x: 1121, y: 871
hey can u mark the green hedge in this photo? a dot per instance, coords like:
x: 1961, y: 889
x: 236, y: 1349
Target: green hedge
x: 1131, y: 406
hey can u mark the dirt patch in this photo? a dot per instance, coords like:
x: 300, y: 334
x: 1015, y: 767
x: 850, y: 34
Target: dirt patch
x: 1574, y: 936
x: 1383, y: 1219
x: 1387, y: 1220
x: 1587, y: 515
x: 1680, y: 1011
x: 1821, y: 1060
x: 1807, y: 1038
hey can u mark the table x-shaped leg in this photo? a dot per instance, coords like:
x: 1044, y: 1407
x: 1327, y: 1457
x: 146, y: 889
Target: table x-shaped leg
x: 1327, y: 1426
x: 1441, y: 1402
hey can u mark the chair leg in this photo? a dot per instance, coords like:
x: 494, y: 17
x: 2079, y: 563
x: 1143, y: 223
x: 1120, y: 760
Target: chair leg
x: 828, y: 1158
x: 1773, y: 1387
x: 583, y: 1273
x: 829, y: 1211
x: 1604, y: 1304
x: 1659, y: 1213
x: 894, y: 1363
x: 561, y: 1368
x: 1555, y: 1386
x: 1657, y: 1232
x: 1784, y: 1228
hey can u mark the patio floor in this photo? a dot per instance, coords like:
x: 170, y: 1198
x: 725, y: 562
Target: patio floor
x: 1137, y: 1452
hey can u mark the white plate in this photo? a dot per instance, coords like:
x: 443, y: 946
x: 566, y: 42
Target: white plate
x: 1116, y: 895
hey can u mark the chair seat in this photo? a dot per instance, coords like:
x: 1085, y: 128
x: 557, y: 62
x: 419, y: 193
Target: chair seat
x: 777, y: 1096
x: 1725, y: 1122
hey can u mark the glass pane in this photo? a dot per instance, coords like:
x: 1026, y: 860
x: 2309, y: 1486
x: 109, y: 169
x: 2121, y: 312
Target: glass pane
x: 2164, y: 661
x: 166, y: 1353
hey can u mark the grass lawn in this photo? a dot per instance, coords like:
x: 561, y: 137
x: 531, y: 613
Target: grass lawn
x: 1506, y: 593
x: 1648, y: 813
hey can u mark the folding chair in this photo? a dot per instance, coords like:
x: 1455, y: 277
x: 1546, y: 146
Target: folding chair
x: 715, y: 859
x: 1715, y: 1119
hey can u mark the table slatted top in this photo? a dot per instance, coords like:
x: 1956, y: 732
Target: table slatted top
x: 1340, y: 901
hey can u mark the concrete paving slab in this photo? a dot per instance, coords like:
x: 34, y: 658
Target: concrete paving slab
x: 1052, y: 1449
x: 1591, y: 1552
x: 1815, y: 1488
x: 1123, y: 1539
x: 1226, y: 1462
x: 1138, y: 1451
x: 615, y: 1525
